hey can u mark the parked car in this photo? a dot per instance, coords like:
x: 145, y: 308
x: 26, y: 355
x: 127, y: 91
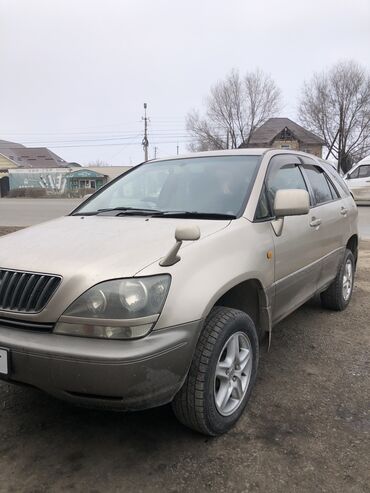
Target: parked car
x: 167, y: 299
x: 358, y: 181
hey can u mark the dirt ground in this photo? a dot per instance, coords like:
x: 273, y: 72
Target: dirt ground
x: 306, y: 428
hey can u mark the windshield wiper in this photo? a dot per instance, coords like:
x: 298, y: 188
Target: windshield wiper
x: 127, y: 209
x: 120, y: 211
x: 194, y: 215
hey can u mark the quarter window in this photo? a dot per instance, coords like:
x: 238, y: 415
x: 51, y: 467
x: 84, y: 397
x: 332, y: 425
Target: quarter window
x: 319, y: 183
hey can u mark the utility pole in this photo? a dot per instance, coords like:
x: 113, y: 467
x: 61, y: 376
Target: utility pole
x: 145, y: 140
x: 177, y: 149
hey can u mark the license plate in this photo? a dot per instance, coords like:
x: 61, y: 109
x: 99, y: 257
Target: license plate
x: 4, y: 359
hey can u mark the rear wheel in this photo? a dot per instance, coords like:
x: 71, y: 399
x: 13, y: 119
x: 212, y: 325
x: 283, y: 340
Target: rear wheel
x: 338, y: 295
x: 222, y: 374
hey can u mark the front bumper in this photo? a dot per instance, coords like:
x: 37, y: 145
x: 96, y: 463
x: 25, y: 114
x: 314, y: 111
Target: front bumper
x: 127, y: 375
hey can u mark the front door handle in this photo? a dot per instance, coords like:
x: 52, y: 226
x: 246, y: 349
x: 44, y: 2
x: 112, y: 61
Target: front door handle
x: 343, y: 211
x: 315, y: 223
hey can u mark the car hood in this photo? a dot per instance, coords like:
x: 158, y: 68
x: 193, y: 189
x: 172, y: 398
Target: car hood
x: 95, y: 247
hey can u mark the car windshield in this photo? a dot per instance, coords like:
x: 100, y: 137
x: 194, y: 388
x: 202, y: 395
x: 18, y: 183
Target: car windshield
x: 205, y: 185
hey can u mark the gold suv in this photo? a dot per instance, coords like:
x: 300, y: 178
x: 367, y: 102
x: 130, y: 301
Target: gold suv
x: 159, y: 287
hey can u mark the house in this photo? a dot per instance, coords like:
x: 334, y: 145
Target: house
x: 38, y: 167
x: 13, y: 155
x: 110, y: 171
x: 283, y: 133
x: 91, y: 178
x: 51, y: 179
x: 84, y: 179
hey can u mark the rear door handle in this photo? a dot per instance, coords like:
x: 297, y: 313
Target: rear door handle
x: 343, y: 211
x: 315, y: 223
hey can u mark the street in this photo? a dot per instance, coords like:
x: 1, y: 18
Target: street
x: 26, y: 212
x: 364, y: 221
x: 306, y: 427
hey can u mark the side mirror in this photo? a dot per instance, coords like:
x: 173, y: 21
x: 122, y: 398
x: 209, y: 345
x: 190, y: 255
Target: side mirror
x: 182, y: 233
x: 187, y: 233
x: 293, y: 202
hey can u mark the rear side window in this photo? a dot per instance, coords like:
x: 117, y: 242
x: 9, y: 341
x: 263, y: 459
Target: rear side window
x: 319, y: 183
x: 364, y: 172
x: 334, y: 193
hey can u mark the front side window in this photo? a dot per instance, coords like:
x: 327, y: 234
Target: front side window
x: 287, y: 176
x: 319, y: 184
x: 219, y: 185
x: 283, y: 173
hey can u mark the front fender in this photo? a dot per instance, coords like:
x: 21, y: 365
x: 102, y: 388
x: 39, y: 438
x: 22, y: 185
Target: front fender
x: 209, y: 268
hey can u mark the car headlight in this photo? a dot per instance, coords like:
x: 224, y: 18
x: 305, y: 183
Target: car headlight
x: 119, y: 309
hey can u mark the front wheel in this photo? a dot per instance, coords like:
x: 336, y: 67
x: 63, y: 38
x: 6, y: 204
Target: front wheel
x: 338, y: 295
x: 222, y: 374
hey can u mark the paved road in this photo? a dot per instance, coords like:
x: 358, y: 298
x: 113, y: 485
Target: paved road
x: 364, y: 221
x: 25, y: 212
x: 306, y: 428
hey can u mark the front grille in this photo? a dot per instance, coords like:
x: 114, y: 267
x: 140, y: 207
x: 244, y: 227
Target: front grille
x: 11, y: 323
x: 26, y: 292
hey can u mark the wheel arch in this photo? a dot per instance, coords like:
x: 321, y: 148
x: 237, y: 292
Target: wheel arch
x: 250, y: 297
x: 352, y: 244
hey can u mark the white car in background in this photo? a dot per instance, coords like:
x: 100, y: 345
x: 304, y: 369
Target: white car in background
x: 358, y: 181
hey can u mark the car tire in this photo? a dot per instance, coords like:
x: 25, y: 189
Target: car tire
x: 203, y: 403
x: 338, y: 295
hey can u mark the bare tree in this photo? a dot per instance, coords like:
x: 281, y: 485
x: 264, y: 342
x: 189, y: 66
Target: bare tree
x: 336, y: 106
x: 98, y: 163
x: 235, y: 107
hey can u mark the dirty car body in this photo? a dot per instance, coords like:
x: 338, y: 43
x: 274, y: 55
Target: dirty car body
x: 94, y: 310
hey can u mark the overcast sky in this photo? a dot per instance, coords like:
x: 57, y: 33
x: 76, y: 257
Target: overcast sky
x: 75, y: 73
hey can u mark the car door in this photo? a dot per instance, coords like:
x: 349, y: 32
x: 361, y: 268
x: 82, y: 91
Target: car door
x: 329, y: 219
x: 296, y: 250
x: 358, y: 182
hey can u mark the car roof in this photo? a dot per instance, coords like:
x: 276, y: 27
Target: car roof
x: 365, y: 160
x: 233, y: 152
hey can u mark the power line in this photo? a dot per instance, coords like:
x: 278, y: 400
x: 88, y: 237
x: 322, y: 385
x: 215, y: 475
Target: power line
x: 102, y: 132
x: 116, y: 144
x: 101, y: 139
x: 86, y: 130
